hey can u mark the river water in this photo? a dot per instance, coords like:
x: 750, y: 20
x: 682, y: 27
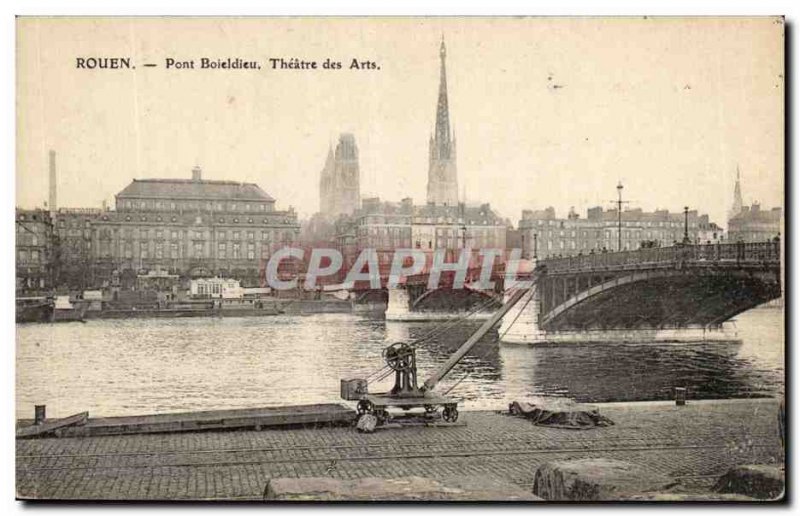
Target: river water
x: 138, y: 366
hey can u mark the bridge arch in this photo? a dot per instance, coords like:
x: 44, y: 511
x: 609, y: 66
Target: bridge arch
x: 663, y: 298
x: 455, y: 299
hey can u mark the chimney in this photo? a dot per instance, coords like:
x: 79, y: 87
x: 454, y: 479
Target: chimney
x: 53, y: 199
x: 197, y: 173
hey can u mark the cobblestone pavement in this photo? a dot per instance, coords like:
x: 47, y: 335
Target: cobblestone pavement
x: 694, y: 444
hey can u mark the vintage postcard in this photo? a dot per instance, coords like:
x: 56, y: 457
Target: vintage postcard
x: 400, y: 259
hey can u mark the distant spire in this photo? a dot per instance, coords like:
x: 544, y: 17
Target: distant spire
x: 736, y: 208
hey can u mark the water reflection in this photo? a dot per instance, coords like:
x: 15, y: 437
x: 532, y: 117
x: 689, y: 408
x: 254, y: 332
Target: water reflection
x: 145, y: 366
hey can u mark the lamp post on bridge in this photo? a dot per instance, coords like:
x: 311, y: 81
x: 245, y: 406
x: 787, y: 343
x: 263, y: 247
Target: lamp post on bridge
x: 686, y: 225
x: 619, y: 216
x: 535, y: 247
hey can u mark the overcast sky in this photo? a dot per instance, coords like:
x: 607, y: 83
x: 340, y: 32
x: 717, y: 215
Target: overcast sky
x: 546, y: 111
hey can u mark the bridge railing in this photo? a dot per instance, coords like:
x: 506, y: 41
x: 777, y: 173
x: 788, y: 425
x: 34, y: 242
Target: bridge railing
x: 755, y: 252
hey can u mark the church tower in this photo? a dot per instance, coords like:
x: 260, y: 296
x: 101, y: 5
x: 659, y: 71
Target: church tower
x: 339, y: 183
x: 442, y: 173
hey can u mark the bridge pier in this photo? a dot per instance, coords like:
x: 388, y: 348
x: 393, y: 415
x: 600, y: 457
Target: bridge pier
x: 398, y: 307
x: 421, y: 304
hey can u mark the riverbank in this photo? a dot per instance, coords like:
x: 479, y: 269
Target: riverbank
x: 694, y: 445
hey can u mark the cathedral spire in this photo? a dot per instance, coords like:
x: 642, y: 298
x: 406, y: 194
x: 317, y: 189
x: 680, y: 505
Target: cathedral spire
x: 442, y: 110
x: 442, y: 173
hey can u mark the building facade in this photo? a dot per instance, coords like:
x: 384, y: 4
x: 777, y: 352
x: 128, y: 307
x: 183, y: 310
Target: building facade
x: 193, y: 227
x: 36, y: 246
x: 442, y: 171
x: 388, y: 226
x: 752, y: 224
x: 544, y: 234
x: 74, y: 228
x: 339, y: 184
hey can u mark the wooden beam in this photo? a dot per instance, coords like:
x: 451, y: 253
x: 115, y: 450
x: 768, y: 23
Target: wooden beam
x: 50, y: 426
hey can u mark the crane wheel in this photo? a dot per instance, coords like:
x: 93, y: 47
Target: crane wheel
x: 450, y: 414
x: 363, y: 407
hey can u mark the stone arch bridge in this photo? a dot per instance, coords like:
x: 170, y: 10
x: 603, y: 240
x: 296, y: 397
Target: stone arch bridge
x: 670, y: 287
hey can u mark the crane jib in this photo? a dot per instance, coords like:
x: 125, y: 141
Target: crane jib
x: 431, y: 382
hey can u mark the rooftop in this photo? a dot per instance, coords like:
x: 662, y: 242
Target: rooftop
x: 194, y: 189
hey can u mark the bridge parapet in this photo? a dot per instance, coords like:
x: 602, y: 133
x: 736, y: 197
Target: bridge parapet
x: 738, y: 254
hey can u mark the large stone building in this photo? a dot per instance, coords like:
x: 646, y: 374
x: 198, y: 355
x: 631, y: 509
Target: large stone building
x: 387, y: 226
x: 339, y: 183
x: 544, y: 234
x: 193, y: 227
x: 752, y: 224
x: 442, y: 172
x: 35, y: 251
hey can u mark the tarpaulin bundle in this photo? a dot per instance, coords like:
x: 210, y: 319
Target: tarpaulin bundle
x: 559, y: 413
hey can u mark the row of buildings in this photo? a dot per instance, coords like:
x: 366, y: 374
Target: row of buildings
x: 191, y: 227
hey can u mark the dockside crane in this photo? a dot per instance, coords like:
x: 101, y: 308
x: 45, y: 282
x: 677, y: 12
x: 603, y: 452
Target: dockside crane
x: 406, y: 394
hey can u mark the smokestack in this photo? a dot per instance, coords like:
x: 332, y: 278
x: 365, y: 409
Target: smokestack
x: 53, y: 198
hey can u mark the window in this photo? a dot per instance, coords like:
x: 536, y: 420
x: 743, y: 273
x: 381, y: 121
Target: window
x: 220, y: 235
x: 250, y: 235
x: 143, y: 250
x: 251, y: 251
x: 23, y: 256
x: 159, y: 250
x: 159, y: 234
x: 173, y: 250
x: 198, y: 249
x: 237, y: 251
x: 236, y: 235
x: 221, y: 251
x: 128, y: 250
x: 174, y: 235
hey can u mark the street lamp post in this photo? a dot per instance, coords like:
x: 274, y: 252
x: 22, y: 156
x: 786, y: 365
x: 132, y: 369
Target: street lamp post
x: 685, y: 224
x: 535, y: 246
x: 619, y: 216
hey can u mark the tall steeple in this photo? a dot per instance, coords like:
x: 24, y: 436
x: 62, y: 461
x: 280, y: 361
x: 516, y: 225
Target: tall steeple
x: 736, y: 208
x: 442, y: 111
x: 442, y: 173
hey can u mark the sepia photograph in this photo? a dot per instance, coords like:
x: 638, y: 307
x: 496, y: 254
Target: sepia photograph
x: 400, y: 259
